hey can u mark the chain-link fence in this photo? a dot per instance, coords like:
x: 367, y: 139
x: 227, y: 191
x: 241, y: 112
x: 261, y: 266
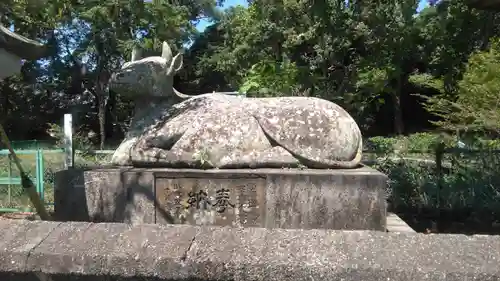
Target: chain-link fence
x: 41, y: 165
x: 11, y: 192
x: 92, y: 158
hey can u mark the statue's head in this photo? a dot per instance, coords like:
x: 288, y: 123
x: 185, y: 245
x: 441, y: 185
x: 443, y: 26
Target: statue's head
x: 150, y: 76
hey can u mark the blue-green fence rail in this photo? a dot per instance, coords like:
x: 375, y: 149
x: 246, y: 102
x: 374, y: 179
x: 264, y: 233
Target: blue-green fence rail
x: 41, y: 163
x: 12, y: 195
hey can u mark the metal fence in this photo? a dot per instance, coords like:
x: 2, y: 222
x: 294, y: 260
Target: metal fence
x: 41, y: 166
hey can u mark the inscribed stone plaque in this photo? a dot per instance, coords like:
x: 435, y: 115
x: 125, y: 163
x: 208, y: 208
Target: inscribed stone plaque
x: 212, y: 201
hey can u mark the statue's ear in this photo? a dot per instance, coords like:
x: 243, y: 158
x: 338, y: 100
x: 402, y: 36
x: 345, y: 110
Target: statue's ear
x: 166, y: 52
x: 136, y: 54
x: 176, y: 63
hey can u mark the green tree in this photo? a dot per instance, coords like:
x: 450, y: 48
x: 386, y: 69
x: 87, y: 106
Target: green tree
x: 476, y: 107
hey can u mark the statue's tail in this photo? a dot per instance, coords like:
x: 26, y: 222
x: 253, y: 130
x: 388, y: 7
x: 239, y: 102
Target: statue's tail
x: 184, y: 96
x: 359, y: 154
x: 355, y: 162
x: 181, y: 95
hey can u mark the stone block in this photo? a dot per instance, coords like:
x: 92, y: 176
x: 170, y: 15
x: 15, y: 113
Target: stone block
x: 17, y: 239
x: 114, y: 249
x: 105, y: 195
x: 352, y: 199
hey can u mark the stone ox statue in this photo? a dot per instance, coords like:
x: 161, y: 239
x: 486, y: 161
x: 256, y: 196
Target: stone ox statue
x: 170, y: 129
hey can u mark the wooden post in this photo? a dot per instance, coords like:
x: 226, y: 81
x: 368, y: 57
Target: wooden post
x: 69, y: 153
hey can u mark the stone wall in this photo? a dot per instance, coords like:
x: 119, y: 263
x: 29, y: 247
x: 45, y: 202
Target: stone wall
x: 113, y: 251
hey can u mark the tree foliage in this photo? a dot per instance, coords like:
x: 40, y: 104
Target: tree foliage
x: 476, y: 107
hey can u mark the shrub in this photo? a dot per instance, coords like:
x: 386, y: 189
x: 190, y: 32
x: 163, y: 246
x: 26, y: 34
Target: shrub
x: 381, y: 144
x: 468, y: 180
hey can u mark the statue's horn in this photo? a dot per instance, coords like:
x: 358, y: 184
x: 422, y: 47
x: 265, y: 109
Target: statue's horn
x: 166, y: 52
x: 136, y: 54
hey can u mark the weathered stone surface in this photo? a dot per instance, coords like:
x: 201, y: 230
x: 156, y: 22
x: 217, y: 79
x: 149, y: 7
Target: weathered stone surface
x: 270, y: 198
x: 105, y: 195
x: 111, y: 249
x: 211, y: 201
x: 85, y: 251
x: 18, y: 239
x: 223, y: 131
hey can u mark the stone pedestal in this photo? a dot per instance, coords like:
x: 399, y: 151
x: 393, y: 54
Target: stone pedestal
x: 270, y: 198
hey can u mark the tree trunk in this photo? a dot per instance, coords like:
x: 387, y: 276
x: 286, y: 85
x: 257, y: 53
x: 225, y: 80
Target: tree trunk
x: 102, y: 119
x: 101, y: 95
x: 398, y: 114
x: 4, y: 102
x: 396, y: 102
x: 109, y: 115
x: 487, y: 30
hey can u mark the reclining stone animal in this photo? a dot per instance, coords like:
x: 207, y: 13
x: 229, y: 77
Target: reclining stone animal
x: 170, y: 129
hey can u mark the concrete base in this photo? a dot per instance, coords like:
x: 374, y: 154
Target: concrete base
x: 396, y: 224
x: 352, y: 199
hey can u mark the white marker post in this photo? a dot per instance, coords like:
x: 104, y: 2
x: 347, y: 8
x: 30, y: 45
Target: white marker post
x: 69, y: 153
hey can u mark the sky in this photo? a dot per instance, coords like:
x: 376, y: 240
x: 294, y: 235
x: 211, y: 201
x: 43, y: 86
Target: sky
x: 229, y: 3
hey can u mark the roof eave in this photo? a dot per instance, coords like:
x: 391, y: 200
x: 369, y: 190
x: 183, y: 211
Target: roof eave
x: 21, y: 46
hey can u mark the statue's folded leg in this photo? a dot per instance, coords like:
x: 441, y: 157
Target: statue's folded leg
x: 148, y: 156
x: 121, y: 156
x: 157, y: 157
x: 154, y: 149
